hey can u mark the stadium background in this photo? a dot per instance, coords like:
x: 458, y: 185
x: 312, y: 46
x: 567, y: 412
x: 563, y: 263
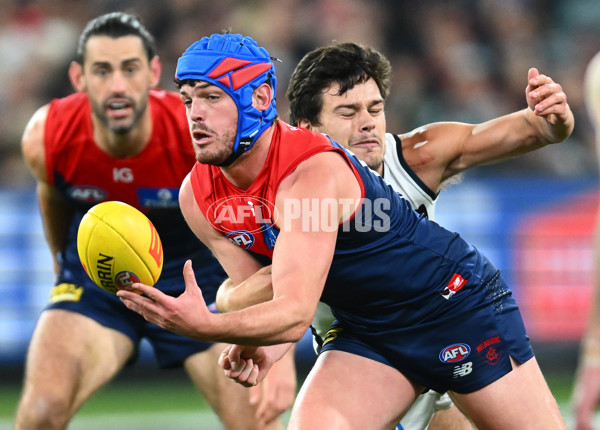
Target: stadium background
x: 452, y: 60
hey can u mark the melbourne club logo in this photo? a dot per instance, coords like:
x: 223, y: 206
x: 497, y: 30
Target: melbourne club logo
x: 491, y: 350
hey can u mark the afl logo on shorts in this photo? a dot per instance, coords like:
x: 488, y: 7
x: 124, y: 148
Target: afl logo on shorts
x: 126, y: 279
x: 242, y: 238
x: 455, y: 353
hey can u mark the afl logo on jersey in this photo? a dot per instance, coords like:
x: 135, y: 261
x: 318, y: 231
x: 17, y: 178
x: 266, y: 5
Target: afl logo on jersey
x: 455, y: 353
x: 234, y: 213
x: 87, y: 193
x: 242, y: 238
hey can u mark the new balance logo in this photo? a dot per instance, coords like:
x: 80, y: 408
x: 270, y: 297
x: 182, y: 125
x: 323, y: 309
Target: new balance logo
x: 463, y: 370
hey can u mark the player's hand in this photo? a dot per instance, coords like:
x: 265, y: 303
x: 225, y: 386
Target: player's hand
x: 547, y: 100
x: 241, y: 363
x: 586, y: 397
x: 276, y: 393
x: 185, y: 315
x: 248, y: 365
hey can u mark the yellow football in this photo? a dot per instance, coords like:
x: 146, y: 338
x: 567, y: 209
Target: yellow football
x: 118, y: 245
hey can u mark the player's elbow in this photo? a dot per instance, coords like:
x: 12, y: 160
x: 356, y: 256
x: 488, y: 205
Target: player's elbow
x: 301, y: 323
x: 297, y: 332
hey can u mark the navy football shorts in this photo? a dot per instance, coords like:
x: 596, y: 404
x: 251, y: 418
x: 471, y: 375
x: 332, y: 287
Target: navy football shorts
x: 461, y: 352
x: 74, y: 291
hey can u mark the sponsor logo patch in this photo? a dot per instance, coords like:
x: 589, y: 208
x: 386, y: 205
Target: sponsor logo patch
x: 455, y: 284
x: 455, y: 353
x: 65, y: 293
x: 158, y: 197
x: 270, y: 236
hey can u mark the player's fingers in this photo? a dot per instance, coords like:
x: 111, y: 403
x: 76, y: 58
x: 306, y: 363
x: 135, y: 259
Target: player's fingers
x: 540, y: 101
x: 235, y: 368
x: 539, y: 80
x: 189, y: 277
x: 240, y: 371
x: 235, y: 354
x: 252, y: 376
x: 236, y: 363
x: 223, y: 360
x: 133, y: 301
x: 152, y: 293
x: 555, y: 104
x: 545, y: 91
x: 532, y: 73
x: 246, y: 371
x: 139, y: 288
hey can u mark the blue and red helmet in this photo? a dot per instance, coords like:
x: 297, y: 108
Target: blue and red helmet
x: 237, y: 65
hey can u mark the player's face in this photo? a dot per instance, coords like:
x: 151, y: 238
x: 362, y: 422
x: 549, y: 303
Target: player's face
x: 356, y: 120
x: 212, y: 116
x: 117, y: 77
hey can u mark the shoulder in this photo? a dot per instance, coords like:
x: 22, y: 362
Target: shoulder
x: 319, y: 170
x: 169, y: 99
x: 186, y: 193
x: 32, y: 143
x: 71, y: 102
x: 167, y: 108
x: 291, y: 132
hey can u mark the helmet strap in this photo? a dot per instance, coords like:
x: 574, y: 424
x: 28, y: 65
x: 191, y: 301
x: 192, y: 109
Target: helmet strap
x: 242, y: 147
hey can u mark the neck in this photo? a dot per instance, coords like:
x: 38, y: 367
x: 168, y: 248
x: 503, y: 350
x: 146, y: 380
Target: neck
x: 243, y: 171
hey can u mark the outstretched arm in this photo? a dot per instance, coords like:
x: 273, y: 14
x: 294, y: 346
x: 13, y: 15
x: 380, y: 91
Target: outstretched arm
x: 301, y: 262
x: 441, y: 150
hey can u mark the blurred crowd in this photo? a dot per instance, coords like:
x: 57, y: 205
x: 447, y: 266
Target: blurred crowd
x: 458, y: 60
